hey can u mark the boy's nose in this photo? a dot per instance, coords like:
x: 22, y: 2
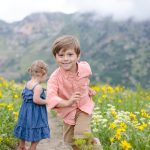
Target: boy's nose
x: 65, y: 57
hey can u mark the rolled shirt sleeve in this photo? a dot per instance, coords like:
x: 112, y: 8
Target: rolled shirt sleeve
x: 52, y: 90
x: 84, y: 69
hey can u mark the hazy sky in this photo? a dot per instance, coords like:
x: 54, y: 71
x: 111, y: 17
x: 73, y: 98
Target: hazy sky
x: 14, y: 10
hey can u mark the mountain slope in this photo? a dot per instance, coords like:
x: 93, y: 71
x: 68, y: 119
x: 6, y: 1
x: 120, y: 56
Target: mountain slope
x: 117, y: 51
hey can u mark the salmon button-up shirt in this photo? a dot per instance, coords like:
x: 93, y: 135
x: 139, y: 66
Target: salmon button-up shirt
x: 62, y: 84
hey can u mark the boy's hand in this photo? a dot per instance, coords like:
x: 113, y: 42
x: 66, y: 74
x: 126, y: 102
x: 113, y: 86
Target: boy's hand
x: 48, y: 103
x: 74, y: 98
x: 91, y: 92
x: 65, y: 103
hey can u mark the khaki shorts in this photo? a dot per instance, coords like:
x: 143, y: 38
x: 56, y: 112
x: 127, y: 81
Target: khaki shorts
x: 82, y: 126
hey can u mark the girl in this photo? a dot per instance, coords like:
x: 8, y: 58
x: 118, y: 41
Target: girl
x: 32, y: 123
x: 71, y: 81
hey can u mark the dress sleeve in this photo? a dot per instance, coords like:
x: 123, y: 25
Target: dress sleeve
x: 52, y: 92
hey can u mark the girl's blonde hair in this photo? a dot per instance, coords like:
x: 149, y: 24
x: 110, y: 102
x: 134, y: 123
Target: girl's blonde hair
x: 38, y: 68
x: 64, y: 42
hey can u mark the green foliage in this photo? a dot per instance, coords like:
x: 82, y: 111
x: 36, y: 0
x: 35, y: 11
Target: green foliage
x: 7, y: 121
x: 9, y: 107
x: 121, y: 117
x: 85, y: 143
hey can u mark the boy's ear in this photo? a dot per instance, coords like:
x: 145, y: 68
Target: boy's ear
x: 78, y: 56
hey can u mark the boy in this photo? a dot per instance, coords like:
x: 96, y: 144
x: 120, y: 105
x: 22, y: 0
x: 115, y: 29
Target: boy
x: 68, y: 89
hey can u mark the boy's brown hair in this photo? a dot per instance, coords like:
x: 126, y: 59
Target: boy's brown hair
x: 65, y: 42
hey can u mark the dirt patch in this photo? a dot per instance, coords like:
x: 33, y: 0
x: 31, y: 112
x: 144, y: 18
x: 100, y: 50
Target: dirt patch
x: 56, y: 140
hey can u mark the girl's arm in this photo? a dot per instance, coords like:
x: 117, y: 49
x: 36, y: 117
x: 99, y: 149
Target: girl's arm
x: 36, y: 97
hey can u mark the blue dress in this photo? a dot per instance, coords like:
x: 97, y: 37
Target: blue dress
x: 32, y: 122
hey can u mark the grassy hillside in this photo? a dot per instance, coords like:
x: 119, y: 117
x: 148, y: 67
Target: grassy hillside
x: 117, y: 51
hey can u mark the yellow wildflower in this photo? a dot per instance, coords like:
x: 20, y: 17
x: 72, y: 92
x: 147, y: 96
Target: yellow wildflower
x: 123, y: 125
x: 1, y: 139
x: 96, y: 88
x: 118, y: 134
x: 144, y: 114
x: 104, y: 96
x: 104, y: 90
x: 112, y: 139
x: 2, y: 104
x: 16, y: 115
x: 5, y: 84
x: 120, y: 101
x: 113, y: 112
x: 10, y: 107
x: 132, y: 116
x: 16, y: 96
x: 1, y: 94
x: 110, y: 89
x: 125, y: 145
x: 119, y: 88
x: 142, y: 127
x: 112, y: 125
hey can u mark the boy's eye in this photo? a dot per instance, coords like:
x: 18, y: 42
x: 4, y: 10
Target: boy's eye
x: 60, y: 55
x: 70, y: 54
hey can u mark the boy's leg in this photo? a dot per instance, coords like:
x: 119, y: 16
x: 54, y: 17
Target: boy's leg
x: 83, y: 121
x: 68, y: 133
x: 82, y: 125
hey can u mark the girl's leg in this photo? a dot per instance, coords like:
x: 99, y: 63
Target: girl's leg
x: 33, y: 145
x: 21, y: 145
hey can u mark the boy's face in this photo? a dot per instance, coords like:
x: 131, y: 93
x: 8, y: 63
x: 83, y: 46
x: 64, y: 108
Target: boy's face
x: 67, y: 59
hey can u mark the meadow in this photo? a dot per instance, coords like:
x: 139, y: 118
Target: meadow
x: 121, y: 118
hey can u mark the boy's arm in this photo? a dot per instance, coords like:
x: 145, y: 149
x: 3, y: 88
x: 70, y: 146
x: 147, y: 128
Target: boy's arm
x: 92, y: 92
x: 53, y: 99
x: 64, y: 103
x: 89, y: 73
x: 52, y: 90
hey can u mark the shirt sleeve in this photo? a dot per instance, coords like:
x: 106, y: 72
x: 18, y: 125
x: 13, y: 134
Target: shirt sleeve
x: 89, y: 69
x: 52, y: 92
x: 85, y: 69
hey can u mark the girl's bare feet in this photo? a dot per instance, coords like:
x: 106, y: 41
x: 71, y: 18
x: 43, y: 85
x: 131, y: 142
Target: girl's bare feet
x: 21, y: 148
